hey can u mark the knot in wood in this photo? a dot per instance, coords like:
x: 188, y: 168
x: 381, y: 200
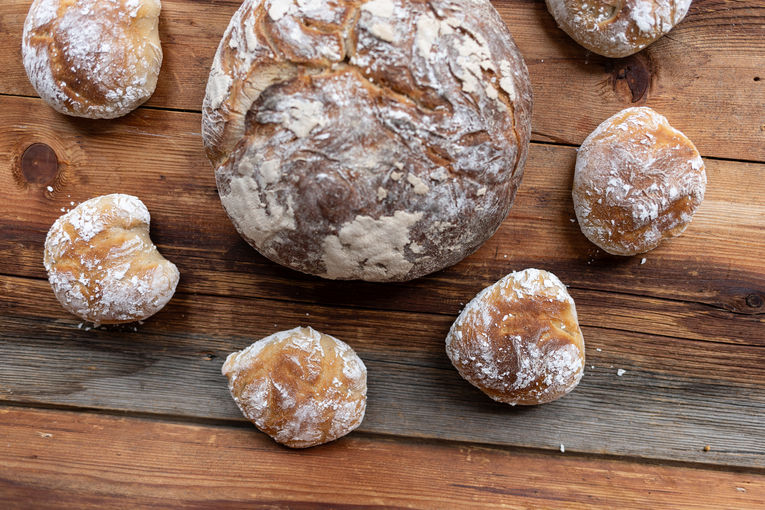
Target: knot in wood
x: 754, y: 301
x: 631, y: 76
x: 39, y: 164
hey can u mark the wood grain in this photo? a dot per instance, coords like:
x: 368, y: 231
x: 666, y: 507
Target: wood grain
x: 80, y: 460
x: 715, y: 264
x: 702, y: 75
x: 675, y: 397
x: 686, y: 323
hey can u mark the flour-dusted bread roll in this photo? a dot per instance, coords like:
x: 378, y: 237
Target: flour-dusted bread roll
x: 301, y: 387
x: 617, y: 28
x: 93, y: 58
x: 519, y: 340
x: 377, y: 140
x: 103, y: 266
x: 638, y: 181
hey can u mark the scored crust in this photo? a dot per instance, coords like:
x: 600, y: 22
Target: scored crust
x: 93, y: 58
x: 637, y: 181
x: 301, y: 387
x: 103, y: 266
x: 519, y: 340
x: 617, y: 28
x: 377, y: 140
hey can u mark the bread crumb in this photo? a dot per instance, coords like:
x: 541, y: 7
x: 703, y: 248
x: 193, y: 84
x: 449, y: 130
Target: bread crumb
x: 381, y: 193
x: 621, y: 372
x: 396, y: 175
x: 419, y: 185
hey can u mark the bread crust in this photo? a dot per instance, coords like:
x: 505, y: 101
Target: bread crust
x: 301, y: 387
x: 519, y: 340
x: 379, y: 140
x: 93, y: 58
x: 103, y: 266
x: 637, y: 182
x: 617, y: 28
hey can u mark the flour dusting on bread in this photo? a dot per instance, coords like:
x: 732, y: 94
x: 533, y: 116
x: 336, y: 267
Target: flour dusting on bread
x: 394, y: 109
x: 93, y: 58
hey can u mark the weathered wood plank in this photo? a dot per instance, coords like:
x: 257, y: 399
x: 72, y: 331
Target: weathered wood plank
x: 675, y: 397
x: 702, y: 75
x: 716, y: 262
x: 706, y: 76
x: 85, y: 461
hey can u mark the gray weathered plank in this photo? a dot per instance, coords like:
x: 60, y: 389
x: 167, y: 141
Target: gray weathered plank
x: 676, y: 395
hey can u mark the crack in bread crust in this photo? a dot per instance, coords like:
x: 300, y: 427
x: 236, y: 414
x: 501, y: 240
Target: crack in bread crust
x: 419, y: 108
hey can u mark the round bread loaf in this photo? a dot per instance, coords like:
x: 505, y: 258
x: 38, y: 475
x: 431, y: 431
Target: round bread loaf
x: 378, y: 140
x: 617, y: 28
x: 638, y: 181
x: 519, y: 340
x: 93, y: 58
x: 103, y: 266
x: 301, y: 387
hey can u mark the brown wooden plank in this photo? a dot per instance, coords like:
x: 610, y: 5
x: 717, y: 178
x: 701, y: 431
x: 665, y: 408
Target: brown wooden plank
x: 675, y: 397
x: 703, y: 75
x: 706, y: 76
x: 77, y: 460
x: 716, y: 264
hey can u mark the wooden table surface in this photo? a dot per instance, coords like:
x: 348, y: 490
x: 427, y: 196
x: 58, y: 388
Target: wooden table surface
x: 139, y: 415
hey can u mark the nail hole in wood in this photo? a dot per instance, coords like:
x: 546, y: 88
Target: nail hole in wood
x: 39, y: 164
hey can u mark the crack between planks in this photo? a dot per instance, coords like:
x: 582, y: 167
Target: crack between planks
x: 241, y: 423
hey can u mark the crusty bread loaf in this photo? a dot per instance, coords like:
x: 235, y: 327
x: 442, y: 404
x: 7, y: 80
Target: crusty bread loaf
x: 301, y: 387
x: 93, y: 58
x: 519, y: 340
x: 378, y: 140
x: 638, y: 181
x: 102, y: 265
x: 617, y: 28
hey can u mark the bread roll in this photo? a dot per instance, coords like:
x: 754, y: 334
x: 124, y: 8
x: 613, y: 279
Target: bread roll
x: 617, y: 28
x: 93, y: 58
x: 102, y: 265
x: 301, y: 387
x: 378, y: 140
x: 638, y: 181
x: 519, y: 340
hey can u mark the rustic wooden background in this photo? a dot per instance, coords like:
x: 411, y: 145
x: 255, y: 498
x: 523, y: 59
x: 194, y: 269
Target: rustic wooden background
x: 139, y: 415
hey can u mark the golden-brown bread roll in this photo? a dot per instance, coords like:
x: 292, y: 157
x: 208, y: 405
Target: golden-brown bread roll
x: 617, y: 28
x: 519, y: 340
x: 301, y: 387
x: 377, y: 140
x: 638, y: 181
x: 93, y: 58
x: 103, y: 266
